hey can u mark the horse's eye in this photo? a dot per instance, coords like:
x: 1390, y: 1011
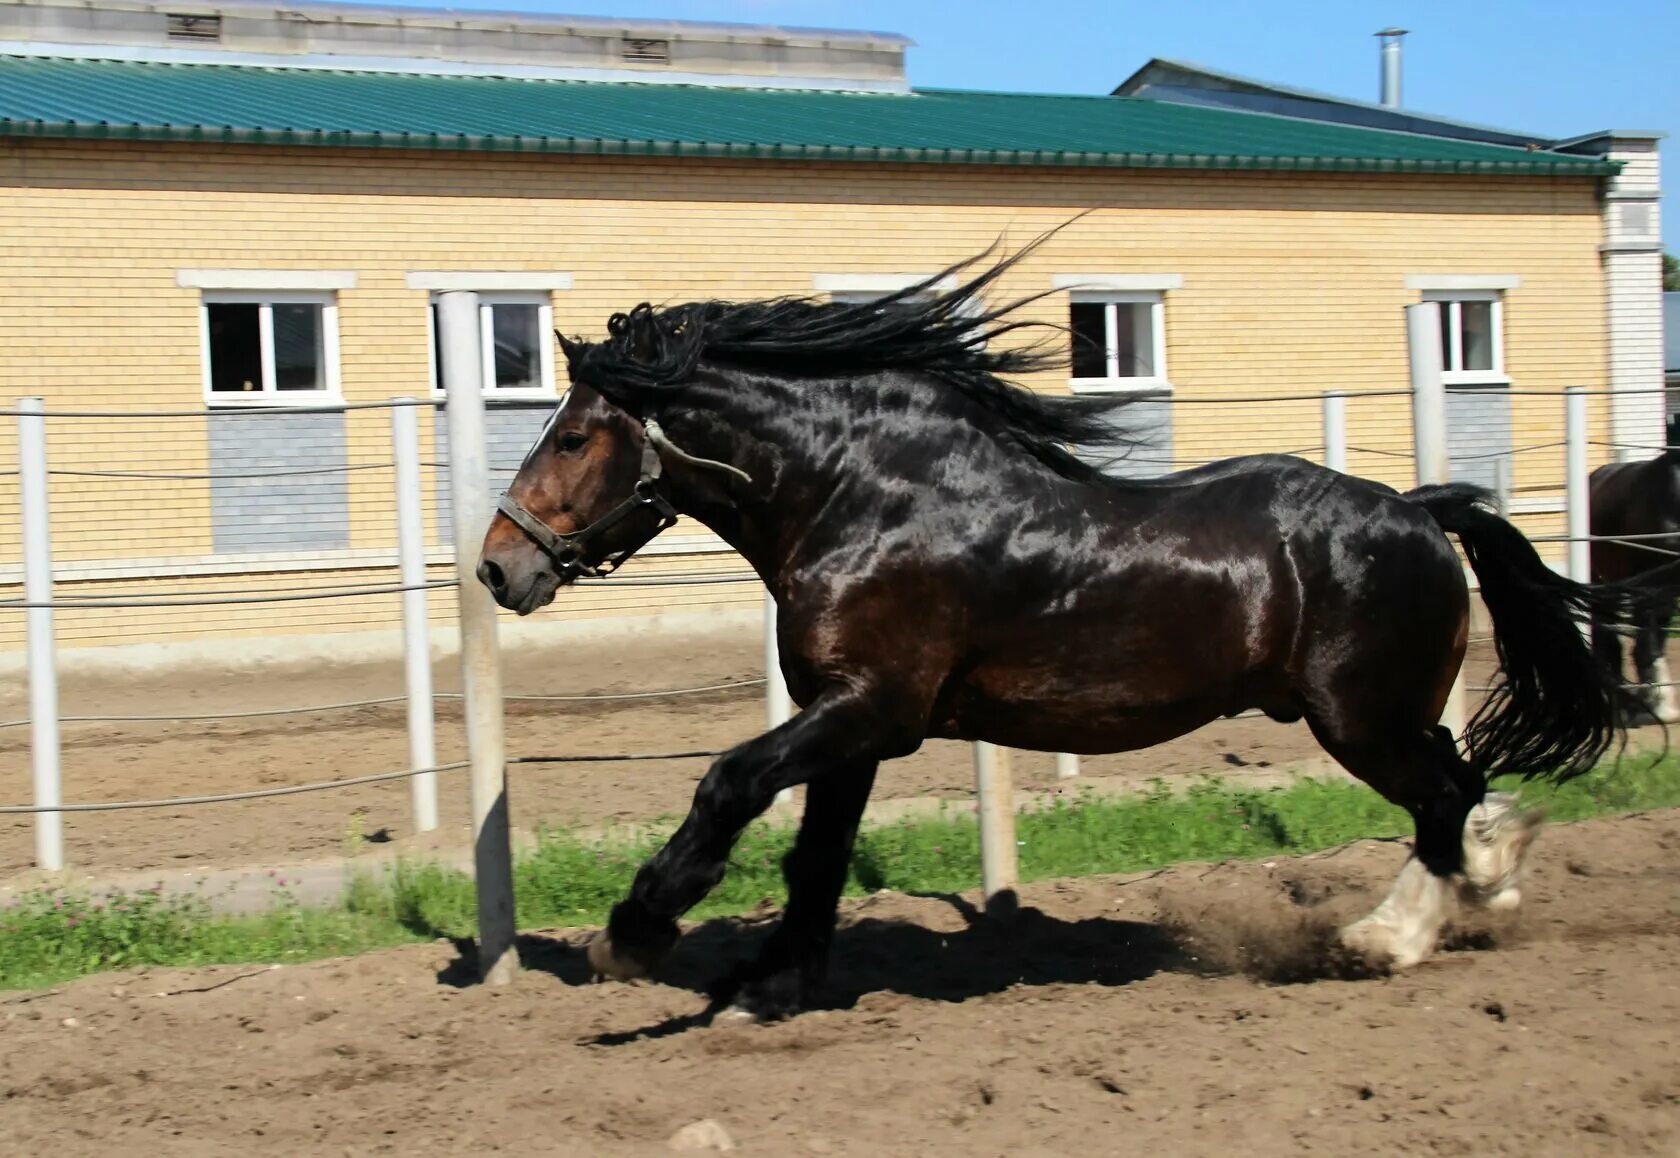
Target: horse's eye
x: 573, y: 440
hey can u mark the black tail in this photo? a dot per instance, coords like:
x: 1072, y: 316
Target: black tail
x: 1554, y: 709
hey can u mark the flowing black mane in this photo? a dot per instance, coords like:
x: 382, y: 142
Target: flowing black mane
x: 948, y: 335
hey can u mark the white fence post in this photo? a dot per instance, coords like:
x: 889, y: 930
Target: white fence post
x: 996, y: 791
x: 1067, y: 765
x: 481, y: 674
x: 1335, y: 430
x: 1429, y: 396
x: 1576, y: 498
x: 778, y: 705
x: 417, y: 652
x: 42, y: 647
x: 1429, y: 439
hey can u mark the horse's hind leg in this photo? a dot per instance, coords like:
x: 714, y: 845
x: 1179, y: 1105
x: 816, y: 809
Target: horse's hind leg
x: 1462, y: 840
x: 1497, y: 836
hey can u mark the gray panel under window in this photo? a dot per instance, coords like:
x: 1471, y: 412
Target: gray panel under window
x: 1148, y: 423
x: 301, y: 502
x: 1479, y: 435
x: 509, y: 431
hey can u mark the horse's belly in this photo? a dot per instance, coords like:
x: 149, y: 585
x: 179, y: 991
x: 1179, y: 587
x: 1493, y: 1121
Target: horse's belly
x: 1077, y: 725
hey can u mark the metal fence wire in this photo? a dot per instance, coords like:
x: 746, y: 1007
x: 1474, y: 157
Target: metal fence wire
x: 166, y: 524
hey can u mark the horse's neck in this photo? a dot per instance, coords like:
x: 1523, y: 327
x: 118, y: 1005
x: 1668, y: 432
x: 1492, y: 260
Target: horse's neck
x: 744, y: 515
x: 789, y: 505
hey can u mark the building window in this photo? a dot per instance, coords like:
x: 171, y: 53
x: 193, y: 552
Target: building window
x: 269, y: 349
x: 1479, y: 425
x: 1472, y: 336
x: 1118, y: 341
x: 517, y: 352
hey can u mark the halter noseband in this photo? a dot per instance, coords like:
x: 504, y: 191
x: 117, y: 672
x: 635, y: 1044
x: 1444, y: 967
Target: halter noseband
x: 567, y: 551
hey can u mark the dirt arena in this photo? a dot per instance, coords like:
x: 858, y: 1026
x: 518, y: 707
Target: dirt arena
x: 1188, y: 1012
x: 150, y: 760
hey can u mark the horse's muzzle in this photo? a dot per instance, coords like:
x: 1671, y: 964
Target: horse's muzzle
x: 519, y: 589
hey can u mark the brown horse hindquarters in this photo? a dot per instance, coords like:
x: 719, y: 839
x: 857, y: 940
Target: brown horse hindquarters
x: 1272, y: 584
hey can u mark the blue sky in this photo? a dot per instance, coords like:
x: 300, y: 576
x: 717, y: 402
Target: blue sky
x: 1543, y: 66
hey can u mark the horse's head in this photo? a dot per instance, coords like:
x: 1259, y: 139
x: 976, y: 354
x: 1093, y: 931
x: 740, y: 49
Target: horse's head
x: 584, y: 500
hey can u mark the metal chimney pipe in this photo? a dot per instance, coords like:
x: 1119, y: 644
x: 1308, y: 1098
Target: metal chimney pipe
x: 1390, y: 90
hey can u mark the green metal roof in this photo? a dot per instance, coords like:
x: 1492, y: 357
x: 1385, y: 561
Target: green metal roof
x: 128, y: 100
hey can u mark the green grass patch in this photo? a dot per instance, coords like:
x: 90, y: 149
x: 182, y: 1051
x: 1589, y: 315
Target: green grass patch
x: 49, y: 937
x: 566, y: 881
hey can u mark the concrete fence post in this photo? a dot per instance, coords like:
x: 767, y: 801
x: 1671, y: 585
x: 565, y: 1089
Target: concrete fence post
x: 42, y: 650
x: 1577, y: 500
x: 481, y: 675
x: 995, y: 790
x: 1429, y: 438
x: 411, y: 568
x: 778, y: 705
x: 1335, y: 430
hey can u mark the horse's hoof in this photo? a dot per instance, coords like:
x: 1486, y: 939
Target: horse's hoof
x: 1504, y: 901
x: 608, y: 961
x: 750, y: 996
x: 1383, y: 945
x: 736, y: 1015
x: 1497, y: 838
x: 632, y: 944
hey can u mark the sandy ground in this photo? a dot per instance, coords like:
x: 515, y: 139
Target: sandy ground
x: 1188, y: 1012
x: 150, y: 760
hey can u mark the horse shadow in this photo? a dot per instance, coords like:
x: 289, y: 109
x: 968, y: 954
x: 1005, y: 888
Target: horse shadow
x: 994, y: 950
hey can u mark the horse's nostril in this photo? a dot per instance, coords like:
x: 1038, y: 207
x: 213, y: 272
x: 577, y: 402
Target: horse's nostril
x: 492, y: 577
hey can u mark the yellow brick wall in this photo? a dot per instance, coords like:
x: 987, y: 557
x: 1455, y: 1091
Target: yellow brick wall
x: 1292, y: 283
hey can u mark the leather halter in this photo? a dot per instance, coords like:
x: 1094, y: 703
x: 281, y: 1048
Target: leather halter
x: 568, y: 552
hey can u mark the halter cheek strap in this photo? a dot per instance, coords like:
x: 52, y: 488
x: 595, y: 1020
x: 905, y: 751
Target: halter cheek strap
x: 568, y: 552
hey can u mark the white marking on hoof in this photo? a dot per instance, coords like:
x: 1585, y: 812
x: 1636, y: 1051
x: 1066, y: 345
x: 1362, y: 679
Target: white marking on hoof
x: 1662, y: 698
x: 1497, y: 837
x: 736, y: 1015
x: 1403, y: 930
x: 1504, y: 900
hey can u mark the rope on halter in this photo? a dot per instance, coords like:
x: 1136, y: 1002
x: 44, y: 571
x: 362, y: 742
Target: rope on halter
x: 656, y: 436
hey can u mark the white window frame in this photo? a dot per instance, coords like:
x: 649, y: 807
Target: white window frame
x: 1113, y: 382
x: 330, y: 394
x: 487, y: 301
x: 1449, y: 300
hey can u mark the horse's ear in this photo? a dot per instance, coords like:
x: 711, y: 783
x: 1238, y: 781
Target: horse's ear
x: 568, y: 348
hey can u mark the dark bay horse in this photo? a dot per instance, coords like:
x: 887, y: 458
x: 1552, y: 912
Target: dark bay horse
x: 944, y: 566
x: 1628, y: 499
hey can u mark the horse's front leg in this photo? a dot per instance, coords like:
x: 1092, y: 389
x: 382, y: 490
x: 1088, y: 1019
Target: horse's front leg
x: 841, y: 730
